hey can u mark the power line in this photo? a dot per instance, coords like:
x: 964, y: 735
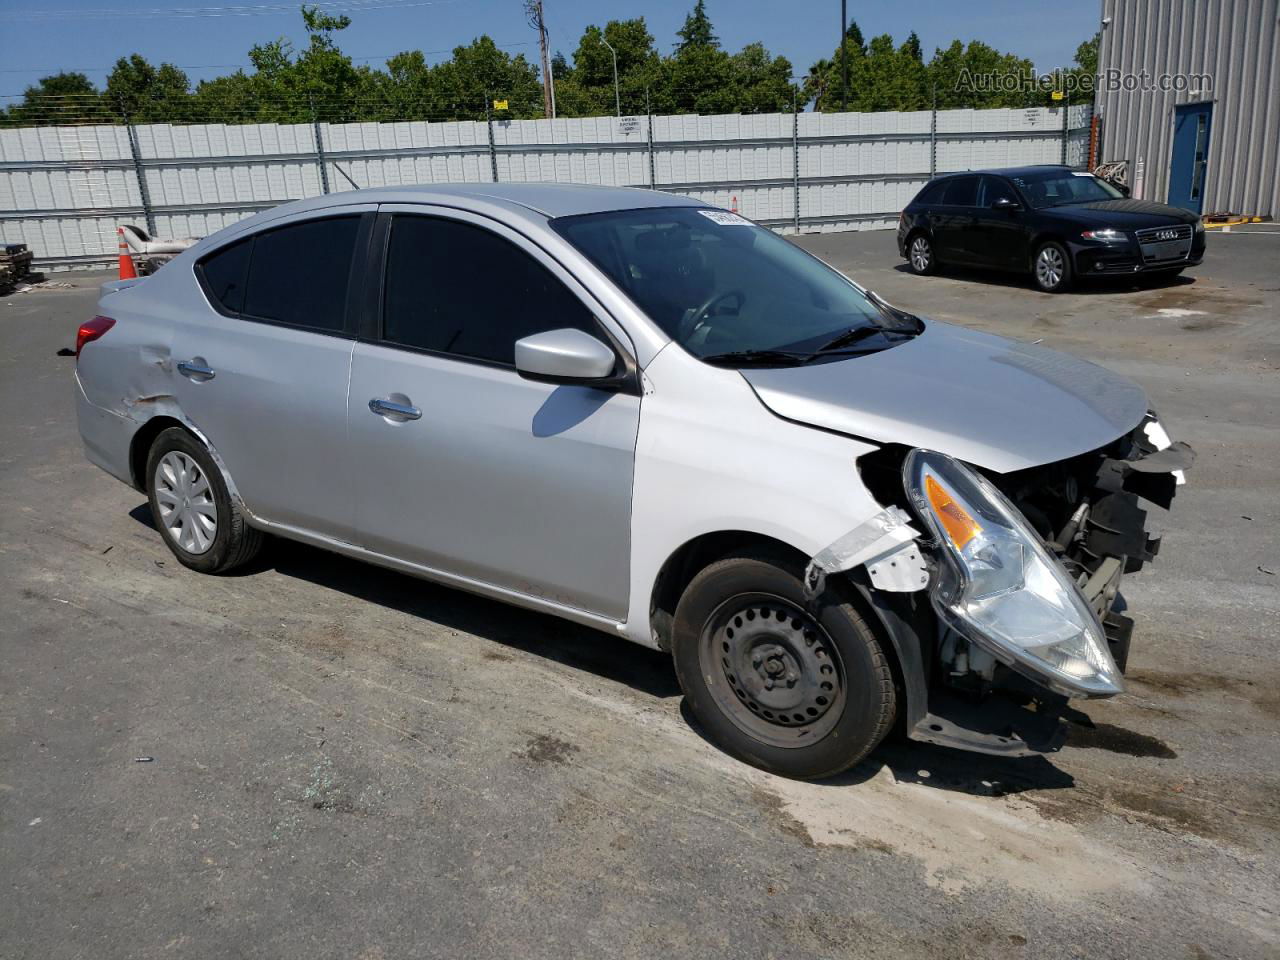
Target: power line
x: 247, y: 10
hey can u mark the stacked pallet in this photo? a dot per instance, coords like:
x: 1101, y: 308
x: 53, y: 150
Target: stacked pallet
x: 15, y: 265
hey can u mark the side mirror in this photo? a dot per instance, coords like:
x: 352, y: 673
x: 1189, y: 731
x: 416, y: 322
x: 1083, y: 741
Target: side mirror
x: 1122, y: 187
x: 1004, y: 203
x: 564, y: 356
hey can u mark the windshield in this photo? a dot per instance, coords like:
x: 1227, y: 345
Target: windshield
x: 723, y: 287
x: 1058, y: 188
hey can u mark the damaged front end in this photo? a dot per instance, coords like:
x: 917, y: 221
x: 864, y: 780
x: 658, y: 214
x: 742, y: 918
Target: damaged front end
x: 1023, y: 572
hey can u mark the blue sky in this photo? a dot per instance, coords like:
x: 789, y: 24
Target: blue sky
x: 66, y: 37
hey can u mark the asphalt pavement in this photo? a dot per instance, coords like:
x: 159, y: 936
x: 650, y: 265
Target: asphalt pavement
x: 317, y: 758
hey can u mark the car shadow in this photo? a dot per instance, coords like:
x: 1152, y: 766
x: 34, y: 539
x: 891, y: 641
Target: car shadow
x: 1087, y: 286
x: 649, y: 672
x: 943, y: 768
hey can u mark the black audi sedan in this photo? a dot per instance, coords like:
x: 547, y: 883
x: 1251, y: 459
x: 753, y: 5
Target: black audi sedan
x: 1052, y: 222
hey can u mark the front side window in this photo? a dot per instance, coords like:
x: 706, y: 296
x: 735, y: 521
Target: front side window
x: 1057, y: 188
x: 721, y: 286
x: 993, y: 189
x: 298, y: 274
x: 459, y: 289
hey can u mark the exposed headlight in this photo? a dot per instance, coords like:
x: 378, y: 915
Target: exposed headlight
x: 1107, y: 234
x: 1001, y: 588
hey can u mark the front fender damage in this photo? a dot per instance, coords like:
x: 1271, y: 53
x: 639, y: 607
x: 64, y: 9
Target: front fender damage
x: 885, y: 544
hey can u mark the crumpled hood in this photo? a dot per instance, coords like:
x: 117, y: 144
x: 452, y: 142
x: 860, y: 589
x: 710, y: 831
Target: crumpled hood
x: 993, y: 402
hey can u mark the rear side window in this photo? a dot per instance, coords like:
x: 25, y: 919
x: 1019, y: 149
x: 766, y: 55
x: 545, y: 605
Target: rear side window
x: 299, y: 274
x: 459, y: 289
x: 962, y: 192
x: 225, y: 273
x: 932, y: 193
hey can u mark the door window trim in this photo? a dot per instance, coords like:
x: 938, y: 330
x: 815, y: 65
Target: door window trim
x: 372, y: 320
x: 356, y: 278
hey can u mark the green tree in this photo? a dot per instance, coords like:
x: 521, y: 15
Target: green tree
x: 60, y: 98
x: 762, y: 81
x: 148, y: 94
x: 828, y: 88
x: 696, y: 31
x: 887, y: 78
x: 479, y: 71
x: 980, y: 77
x: 587, y: 90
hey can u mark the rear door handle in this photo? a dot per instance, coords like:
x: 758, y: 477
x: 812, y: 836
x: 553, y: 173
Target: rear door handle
x: 396, y: 411
x: 195, y: 369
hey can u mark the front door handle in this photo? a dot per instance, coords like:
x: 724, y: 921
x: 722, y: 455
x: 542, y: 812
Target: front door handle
x: 396, y: 411
x: 195, y: 369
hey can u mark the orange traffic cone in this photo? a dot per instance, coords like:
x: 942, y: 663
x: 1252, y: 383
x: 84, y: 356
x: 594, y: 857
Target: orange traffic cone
x: 733, y: 206
x: 127, y: 272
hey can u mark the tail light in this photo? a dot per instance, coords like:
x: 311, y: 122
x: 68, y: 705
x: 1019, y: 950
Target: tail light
x: 91, y: 330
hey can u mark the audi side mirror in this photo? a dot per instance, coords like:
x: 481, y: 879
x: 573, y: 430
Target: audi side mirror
x: 563, y: 356
x: 1004, y: 203
x: 1122, y: 187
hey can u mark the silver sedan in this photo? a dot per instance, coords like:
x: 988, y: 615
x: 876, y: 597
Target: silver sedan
x: 656, y: 418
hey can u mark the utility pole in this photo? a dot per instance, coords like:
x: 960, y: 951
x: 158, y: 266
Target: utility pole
x: 533, y: 11
x: 844, y: 57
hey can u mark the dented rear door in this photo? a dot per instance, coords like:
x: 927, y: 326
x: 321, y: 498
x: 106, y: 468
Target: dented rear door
x: 265, y: 378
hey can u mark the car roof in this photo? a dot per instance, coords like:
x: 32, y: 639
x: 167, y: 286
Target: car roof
x: 551, y: 200
x: 1007, y: 171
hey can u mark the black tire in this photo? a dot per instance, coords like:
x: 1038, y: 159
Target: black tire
x: 1055, y: 275
x: 921, y: 266
x: 833, y: 698
x: 234, y: 542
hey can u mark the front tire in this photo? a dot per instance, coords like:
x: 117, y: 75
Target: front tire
x: 1051, y: 268
x: 802, y: 692
x: 920, y: 255
x: 192, y: 509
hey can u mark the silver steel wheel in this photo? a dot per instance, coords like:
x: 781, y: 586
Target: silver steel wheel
x: 920, y: 254
x: 1049, y: 267
x: 185, y: 498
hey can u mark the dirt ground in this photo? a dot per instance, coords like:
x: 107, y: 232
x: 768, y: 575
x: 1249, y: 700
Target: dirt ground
x: 346, y: 762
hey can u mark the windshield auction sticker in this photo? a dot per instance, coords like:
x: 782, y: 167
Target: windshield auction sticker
x: 725, y: 218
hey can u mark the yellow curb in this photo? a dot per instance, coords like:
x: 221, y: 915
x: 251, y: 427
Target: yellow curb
x: 1233, y: 222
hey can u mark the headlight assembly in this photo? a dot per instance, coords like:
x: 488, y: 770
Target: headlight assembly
x: 1106, y: 234
x: 1001, y: 588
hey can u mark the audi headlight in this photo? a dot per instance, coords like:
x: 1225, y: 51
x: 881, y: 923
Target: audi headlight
x: 1199, y: 227
x: 1105, y: 234
x: 1001, y: 588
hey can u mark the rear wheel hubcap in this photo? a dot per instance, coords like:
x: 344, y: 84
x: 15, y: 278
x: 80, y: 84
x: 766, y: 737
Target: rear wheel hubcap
x: 920, y: 253
x: 185, y: 499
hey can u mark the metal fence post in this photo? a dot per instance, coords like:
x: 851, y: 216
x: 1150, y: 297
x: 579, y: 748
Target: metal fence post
x: 320, y: 161
x: 933, y: 135
x: 136, y: 151
x: 1066, y: 126
x: 648, y: 109
x: 493, y: 150
x: 795, y: 159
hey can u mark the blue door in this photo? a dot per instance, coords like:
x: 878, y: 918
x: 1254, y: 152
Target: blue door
x: 1190, y: 155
